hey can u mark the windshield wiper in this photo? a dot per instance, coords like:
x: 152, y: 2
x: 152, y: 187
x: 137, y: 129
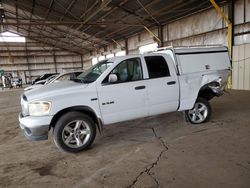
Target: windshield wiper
x: 84, y: 81
x: 77, y: 80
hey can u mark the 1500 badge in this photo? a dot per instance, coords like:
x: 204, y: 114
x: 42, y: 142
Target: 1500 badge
x: 106, y: 103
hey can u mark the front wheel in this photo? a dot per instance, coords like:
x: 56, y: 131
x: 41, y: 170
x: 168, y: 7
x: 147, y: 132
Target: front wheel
x: 74, y: 132
x: 200, y: 113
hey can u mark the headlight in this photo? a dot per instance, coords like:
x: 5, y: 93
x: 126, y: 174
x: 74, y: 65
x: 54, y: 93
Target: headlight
x: 39, y: 108
x: 24, y: 105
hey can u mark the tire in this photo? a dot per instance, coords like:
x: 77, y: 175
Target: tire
x: 74, y: 132
x: 200, y: 113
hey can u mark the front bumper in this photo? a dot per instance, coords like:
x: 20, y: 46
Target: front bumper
x: 35, y: 128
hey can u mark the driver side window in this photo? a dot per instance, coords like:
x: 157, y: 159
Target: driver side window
x: 128, y: 70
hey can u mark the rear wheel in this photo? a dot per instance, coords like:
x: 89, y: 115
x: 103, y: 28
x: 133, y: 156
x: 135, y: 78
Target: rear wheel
x: 200, y: 113
x: 74, y: 132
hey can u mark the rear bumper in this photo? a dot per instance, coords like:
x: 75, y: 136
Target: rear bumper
x: 35, y: 128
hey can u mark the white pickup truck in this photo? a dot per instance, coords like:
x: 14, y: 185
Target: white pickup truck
x: 126, y: 88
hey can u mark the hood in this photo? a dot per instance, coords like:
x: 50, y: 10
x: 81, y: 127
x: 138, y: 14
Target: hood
x: 33, y: 87
x: 53, y: 89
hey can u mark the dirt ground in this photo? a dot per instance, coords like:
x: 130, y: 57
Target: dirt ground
x: 162, y: 151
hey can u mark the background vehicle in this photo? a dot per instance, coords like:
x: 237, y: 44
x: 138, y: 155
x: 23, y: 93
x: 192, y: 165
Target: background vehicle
x: 40, y: 83
x: 66, y: 76
x: 55, y: 78
x: 43, y: 77
x: 17, y: 82
x: 126, y: 88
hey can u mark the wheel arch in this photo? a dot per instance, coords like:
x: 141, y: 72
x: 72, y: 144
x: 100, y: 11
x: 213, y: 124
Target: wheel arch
x: 83, y: 109
x: 207, y: 92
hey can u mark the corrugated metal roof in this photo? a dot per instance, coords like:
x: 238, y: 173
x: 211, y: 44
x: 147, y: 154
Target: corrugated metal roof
x: 86, y: 25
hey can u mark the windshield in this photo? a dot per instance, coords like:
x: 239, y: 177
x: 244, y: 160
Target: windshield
x: 48, y: 80
x: 93, y: 73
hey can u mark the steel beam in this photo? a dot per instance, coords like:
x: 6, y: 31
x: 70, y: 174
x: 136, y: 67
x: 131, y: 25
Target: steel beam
x: 131, y: 12
x: 126, y: 17
x: 48, y: 43
x: 51, y: 23
x: 50, y: 8
x: 146, y: 10
x: 152, y: 33
x: 230, y: 27
x: 103, y: 5
x: 53, y: 33
x: 68, y: 9
x: 118, y: 44
x: 108, y: 13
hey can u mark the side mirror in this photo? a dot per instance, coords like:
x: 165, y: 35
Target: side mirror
x: 112, y: 78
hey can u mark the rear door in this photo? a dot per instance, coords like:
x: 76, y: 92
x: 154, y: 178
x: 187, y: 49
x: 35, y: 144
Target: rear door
x: 162, y: 84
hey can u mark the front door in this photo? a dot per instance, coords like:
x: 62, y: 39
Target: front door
x: 124, y: 99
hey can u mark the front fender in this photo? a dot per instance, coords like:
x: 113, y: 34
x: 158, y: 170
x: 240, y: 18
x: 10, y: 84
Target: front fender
x: 84, y: 109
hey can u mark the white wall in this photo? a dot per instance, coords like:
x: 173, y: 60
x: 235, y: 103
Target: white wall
x: 241, y: 67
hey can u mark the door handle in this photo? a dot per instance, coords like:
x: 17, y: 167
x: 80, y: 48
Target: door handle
x: 171, y: 83
x: 140, y: 87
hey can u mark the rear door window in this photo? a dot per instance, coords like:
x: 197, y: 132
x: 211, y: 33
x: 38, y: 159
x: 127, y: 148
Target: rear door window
x: 157, y: 66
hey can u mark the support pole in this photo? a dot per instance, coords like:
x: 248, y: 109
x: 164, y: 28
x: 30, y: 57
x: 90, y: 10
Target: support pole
x: 126, y: 46
x: 231, y: 18
x: 82, y: 61
x: 160, y: 34
x: 229, y: 32
x: 230, y: 26
x: 28, y: 64
x: 55, y: 63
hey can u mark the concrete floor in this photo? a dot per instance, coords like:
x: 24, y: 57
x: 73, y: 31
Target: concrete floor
x: 161, y: 151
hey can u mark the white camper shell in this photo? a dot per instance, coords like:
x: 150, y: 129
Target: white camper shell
x: 198, y: 66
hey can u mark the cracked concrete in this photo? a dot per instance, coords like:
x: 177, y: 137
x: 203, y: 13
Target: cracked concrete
x: 148, y: 169
x: 161, y: 151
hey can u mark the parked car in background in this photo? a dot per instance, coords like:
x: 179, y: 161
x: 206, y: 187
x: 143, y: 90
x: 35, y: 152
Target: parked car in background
x: 55, y: 78
x: 17, y: 82
x: 43, y: 77
x: 40, y: 83
x: 66, y: 76
x: 126, y: 88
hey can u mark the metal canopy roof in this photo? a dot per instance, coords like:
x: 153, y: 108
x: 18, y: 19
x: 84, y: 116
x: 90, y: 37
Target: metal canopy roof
x: 86, y: 25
